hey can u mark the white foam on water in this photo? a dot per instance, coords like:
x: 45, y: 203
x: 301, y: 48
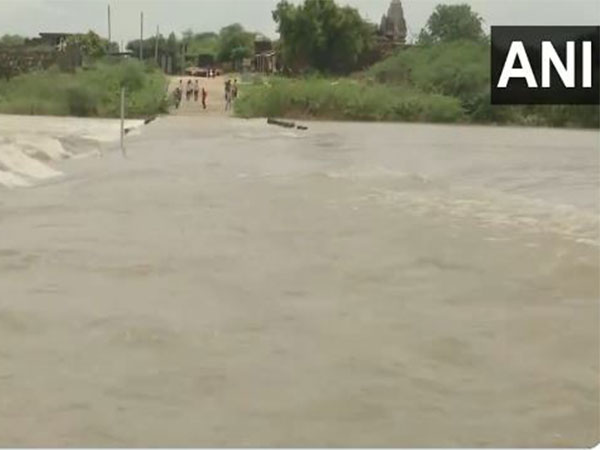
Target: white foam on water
x: 497, y: 209
x: 29, y: 144
x: 10, y: 180
x: 377, y: 172
x: 15, y: 160
x: 40, y: 146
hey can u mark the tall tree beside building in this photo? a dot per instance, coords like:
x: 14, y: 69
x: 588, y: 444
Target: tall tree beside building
x: 90, y: 44
x: 321, y: 35
x: 206, y: 43
x: 235, y: 43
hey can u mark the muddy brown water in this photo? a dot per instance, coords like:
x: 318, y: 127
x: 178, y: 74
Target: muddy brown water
x: 235, y: 284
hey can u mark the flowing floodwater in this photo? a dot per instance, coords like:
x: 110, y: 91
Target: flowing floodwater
x: 234, y: 284
x: 29, y: 144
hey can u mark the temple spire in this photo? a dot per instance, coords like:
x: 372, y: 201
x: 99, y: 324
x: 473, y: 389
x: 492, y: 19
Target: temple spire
x: 393, y: 24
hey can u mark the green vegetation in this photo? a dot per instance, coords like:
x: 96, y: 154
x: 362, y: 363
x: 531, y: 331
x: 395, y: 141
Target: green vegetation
x: 90, y: 92
x: 444, y: 78
x: 235, y: 43
x: 461, y: 70
x: 452, y: 23
x: 12, y: 40
x: 344, y: 100
x: 322, y: 36
x: 458, y: 69
x: 171, y: 46
x: 446, y: 82
x: 202, y: 43
x: 91, y: 45
x: 230, y: 45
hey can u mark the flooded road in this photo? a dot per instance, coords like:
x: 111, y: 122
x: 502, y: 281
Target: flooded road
x: 234, y: 284
x: 29, y: 145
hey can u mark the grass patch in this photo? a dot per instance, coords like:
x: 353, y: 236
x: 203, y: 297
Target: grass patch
x: 344, y: 99
x: 89, y: 92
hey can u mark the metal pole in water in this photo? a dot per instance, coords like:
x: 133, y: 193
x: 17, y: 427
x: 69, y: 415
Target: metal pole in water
x: 123, y: 122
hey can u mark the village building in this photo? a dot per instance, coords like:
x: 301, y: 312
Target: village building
x: 39, y: 53
x: 265, y: 56
x: 58, y: 41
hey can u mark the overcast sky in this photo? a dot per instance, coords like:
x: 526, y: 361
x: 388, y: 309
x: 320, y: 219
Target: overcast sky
x: 29, y: 17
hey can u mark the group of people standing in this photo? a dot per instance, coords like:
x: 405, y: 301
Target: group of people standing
x: 192, y: 90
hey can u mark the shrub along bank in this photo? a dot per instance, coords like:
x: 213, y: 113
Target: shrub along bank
x: 344, y: 99
x: 444, y: 82
x: 461, y: 69
x: 89, y: 92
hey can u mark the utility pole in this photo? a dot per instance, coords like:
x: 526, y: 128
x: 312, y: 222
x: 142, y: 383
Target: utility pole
x: 156, y: 44
x: 109, y: 27
x: 142, y: 36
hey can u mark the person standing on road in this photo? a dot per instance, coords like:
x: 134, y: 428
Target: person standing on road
x: 204, y: 96
x: 189, y: 90
x: 227, y: 95
x: 234, y: 91
x: 177, y: 97
x: 196, y: 91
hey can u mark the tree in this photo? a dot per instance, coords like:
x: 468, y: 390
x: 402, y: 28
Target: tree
x: 12, y: 40
x: 148, y: 46
x: 450, y: 23
x: 206, y: 43
x: 90, y: 44
x: 172, y: 49
x: 187, y: 35
x: 206, y: 35
x: 321, y: 35
x: 235, y: 43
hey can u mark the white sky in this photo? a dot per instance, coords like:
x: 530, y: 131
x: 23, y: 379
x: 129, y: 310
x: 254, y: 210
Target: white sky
x: 29, y: 17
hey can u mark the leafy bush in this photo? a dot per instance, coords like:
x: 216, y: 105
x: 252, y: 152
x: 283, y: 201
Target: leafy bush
x: 81, y: 101
x: 461, y: 70
x: 344, y: 100
x: 456, y: 69
x: 89, y: 93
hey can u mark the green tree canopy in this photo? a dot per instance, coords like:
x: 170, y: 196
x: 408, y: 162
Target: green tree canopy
x: 187, y: 35
x: 12, y: 40
x: 321, y: 35
x: 206, y: 43
x: 90, y: 44
x: 451, y: 23
x: 235, y: 43
x: 231, y: 44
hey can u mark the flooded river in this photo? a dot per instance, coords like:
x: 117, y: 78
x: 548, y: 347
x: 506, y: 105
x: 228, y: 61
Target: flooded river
x: 235, y: 284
